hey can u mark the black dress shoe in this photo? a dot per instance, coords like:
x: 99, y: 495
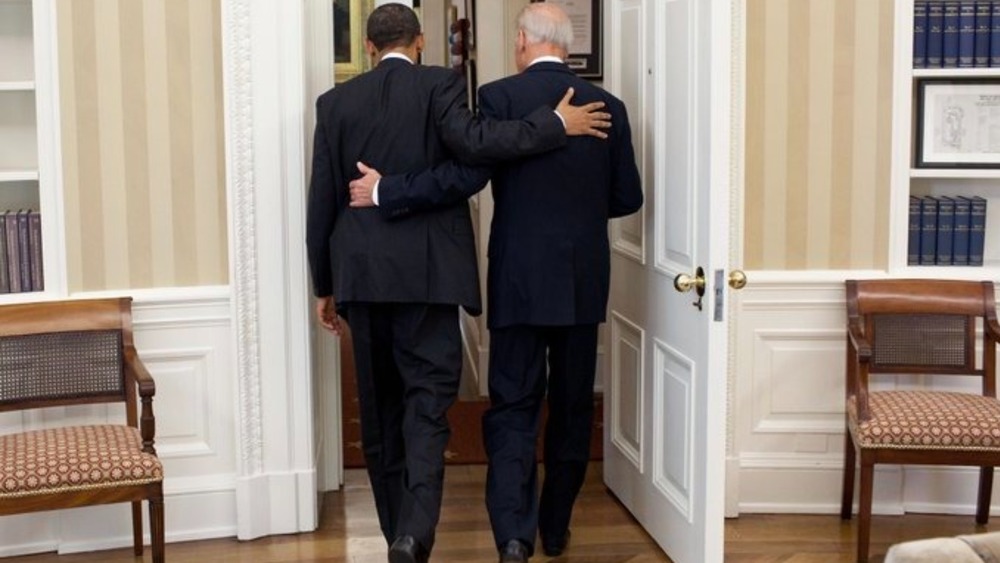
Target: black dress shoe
x: 406, y: 549
x: 554, y: 546
x: 514, y: 551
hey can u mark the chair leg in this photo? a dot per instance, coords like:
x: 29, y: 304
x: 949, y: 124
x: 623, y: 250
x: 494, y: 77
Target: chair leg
x: 847, y: 489
x: 156, y: 528
x: 137, y: 527
x: 865, y: 509
x: 985, y: 494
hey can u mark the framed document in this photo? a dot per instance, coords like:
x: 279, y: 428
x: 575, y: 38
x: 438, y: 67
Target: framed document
x: 349, y: 19
x: 958, y: 123
x: 585, y: 52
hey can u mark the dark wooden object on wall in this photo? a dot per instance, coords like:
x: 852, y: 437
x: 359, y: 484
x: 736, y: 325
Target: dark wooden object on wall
x: 65, y: 353
x: 928, y: 328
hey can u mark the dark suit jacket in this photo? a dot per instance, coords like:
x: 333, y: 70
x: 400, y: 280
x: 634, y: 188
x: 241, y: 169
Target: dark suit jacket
x: 399, y: 118
x: 549, y: 261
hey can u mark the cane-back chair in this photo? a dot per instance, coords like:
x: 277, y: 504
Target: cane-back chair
x: 74, y: 353
x: 928, y: 328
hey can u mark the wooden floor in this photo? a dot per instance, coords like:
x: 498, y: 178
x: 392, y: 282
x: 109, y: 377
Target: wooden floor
x: 603, y: 532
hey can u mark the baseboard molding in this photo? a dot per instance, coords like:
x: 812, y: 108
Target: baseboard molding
x: 189, y: 517
x: 278, y: 503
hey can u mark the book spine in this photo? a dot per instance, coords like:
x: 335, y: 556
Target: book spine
x: 4, y: 278
x: 928, y: 230
x: 24, y: 250
x: 966, y: 33
x: 982, y: 48
x: 920, y: 35
x: 945, y: 230
x: 35, y: 244
x: 913, y: 240
x: 995, y: 33
x: 13, y: 254
x: 935, y: 32
x: 949, y: 41
x: 960, y: 240
x: 977, y: 231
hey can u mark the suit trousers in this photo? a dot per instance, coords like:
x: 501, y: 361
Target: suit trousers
x: 517, y: 381
x: 408, y: 359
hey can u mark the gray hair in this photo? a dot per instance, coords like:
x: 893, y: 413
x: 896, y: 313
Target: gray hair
x: 546, y: 23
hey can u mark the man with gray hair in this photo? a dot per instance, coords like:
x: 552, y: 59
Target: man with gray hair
x: 547, y: 288
x: 547, y: 291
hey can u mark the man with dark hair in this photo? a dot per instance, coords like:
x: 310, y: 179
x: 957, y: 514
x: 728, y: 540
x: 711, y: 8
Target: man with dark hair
x: 399, y: 283
x: 547, y: 286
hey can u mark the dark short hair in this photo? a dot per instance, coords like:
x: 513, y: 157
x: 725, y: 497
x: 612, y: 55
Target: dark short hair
x: 393, y: 25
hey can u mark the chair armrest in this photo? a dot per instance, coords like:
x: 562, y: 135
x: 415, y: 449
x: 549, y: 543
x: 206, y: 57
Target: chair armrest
x: 993, y: 329
x: 857, y: 372
x: 147, y: 389
x: 859, y: 342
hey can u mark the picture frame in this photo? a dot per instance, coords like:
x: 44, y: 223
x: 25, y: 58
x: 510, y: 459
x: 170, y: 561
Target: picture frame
x: 349, y: 18
x: 585, y: 54
x: 957, y: 123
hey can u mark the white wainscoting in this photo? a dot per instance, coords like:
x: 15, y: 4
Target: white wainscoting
x: 787, y: 420
x: 184, y: 337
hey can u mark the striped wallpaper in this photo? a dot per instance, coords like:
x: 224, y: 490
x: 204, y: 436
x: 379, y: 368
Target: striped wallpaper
x: 142, y: 134
x: 818, y: 134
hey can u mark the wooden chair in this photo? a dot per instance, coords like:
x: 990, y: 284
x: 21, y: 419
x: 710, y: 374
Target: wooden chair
x: 919, y: 327
x: 75, y: 353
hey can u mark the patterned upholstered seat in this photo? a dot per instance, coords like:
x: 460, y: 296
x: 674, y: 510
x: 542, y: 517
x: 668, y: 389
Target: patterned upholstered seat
x: 927, y: 328
x: 74, y: 458
x: 928, y: 420
x: 61, y: 353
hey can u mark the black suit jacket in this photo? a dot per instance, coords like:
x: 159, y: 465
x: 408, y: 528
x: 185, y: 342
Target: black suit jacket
x: 399, y: 118
x: 549, y: 260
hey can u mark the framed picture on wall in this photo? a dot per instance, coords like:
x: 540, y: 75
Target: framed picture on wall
x: 349, y: 17
x: 957, y: 123
x: 585, y: 54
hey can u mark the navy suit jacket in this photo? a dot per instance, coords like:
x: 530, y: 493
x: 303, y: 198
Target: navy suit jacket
x: 399, y: 118
x: 549, y: 259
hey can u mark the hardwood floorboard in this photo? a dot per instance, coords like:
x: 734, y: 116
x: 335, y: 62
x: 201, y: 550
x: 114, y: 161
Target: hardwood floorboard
x: 603, y: 532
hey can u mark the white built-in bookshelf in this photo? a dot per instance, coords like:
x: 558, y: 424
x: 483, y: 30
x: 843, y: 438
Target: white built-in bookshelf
x: 29, y: 147
x: 909, y: 179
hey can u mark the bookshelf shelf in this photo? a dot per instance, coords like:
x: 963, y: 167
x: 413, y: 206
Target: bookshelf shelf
x: 955, y: 173
x: 17, y: 86
x: 956, y: 73
x: 18, y: 176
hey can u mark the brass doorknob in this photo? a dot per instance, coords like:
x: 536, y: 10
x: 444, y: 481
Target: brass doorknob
x: 684, y: 282
x: 737, y: 279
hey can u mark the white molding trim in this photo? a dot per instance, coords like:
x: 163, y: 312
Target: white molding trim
x: 264, y: 82
x: 737, y: 148
x: 49, y: 131
x: 242, y: 224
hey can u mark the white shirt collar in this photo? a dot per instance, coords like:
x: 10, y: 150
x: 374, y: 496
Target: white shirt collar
x: 395, y: 55
x: 546, y: 59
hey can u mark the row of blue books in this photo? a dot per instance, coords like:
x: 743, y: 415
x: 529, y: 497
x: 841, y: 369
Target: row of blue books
x: 21, y: 251
x: 947, y: 231
x: 956, y: 33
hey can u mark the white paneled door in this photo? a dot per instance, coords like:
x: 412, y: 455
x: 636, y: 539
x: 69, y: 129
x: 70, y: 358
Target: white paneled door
x: 665, y: 397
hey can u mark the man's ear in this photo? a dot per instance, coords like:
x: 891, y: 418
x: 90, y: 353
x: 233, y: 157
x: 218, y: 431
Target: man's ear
x: 420, y: 43
x: 370, y: 48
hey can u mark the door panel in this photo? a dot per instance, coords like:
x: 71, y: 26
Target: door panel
x: 665, y: 446
x: 628, y: 234
x: 626, y: 381
x: 672, y: 405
